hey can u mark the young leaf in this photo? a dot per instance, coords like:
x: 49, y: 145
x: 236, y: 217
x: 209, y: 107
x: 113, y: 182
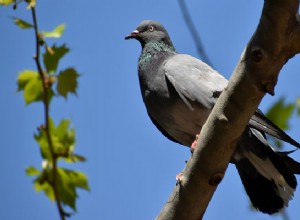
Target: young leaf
x: 56, y: 33
x: 33, y: 91
x: 29, y: 81
x: 42, y: 183
x: 31, y: 4
x: 64, y: 139
x: 41, y: 139
x: 24, y: 77
x: 52, y: 56
x: 21, y: 23
x: 280, y: 113
x: 298, y: 106
x: 67, y: 82
x: 68, y: 182
x: 6, y: 2
x: 32, y: 171
x: 73, y: 158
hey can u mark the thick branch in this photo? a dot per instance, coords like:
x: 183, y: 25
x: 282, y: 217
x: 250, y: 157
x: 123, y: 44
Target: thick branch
x: 255, y: 74
x: 43, y: 77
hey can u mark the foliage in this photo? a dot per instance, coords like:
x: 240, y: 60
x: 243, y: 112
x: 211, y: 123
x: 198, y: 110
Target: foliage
x: 56, y: 142
x: 285, y: 111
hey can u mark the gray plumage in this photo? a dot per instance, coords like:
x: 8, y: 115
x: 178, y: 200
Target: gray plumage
x: 179, y: 92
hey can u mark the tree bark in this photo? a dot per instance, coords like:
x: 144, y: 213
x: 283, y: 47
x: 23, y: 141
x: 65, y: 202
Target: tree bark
x: 275, y: 41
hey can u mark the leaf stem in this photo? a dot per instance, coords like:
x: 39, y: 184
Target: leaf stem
x: 45, y: 85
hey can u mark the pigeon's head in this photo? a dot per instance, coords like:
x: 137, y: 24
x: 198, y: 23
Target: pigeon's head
x: 149, y: 31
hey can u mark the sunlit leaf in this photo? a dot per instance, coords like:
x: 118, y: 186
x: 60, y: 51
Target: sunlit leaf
x: 32, y: 171
x: 68, y: 183
x: 52, y: 56
x: 6, y: 2
x: 29, y: 81
x: 31, y: 4
x: 67, y: 82
x: 24, y: 77
x: 41, y: 139
x: 73, y: 158
x: 280, y: 113
x: 49, y: 49
x: 33, y: 90
x: 21, y: 23
x: 56, y: 33
x: 42, y: 183
x: 298, y: 106
x: 62, y: 139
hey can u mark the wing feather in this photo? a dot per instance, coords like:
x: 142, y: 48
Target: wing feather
x: 194, y: 80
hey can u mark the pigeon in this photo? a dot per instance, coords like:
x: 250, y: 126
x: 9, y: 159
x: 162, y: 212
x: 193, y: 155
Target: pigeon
x: 179, y: 92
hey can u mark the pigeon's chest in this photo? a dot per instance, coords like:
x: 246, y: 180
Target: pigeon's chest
x: 152, y: 78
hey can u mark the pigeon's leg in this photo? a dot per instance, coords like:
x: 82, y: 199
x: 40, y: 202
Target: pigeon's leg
x: 193, y: 147
x: 178, y: 177
x: 194, y: 144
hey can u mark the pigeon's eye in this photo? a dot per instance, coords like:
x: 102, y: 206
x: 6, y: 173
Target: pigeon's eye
x: 150, y: 28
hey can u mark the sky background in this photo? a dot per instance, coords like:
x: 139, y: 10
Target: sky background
x: 131, y: 167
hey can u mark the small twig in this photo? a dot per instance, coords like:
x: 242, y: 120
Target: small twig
x: 284, y: 214
x: 196, y: 37
x: 43, y: 76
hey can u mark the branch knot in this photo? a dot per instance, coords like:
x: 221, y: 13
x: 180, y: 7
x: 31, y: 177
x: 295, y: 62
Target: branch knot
x: 257, y: 54
x: 216, y: 179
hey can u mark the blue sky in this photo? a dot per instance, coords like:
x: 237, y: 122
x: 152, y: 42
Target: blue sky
x: 131, y: 167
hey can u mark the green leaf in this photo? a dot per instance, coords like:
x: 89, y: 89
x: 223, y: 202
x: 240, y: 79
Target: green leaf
x: 21, y: 23
x: 51, y: 59
x: 24, y: 77
x: 67, y: 82
x: 41, y: 139
x: 280, y: 113
x: 62, y: 129
x: 64, y: 139
x: 68, y: 181
x: 31, y: 4
x: 33, y: 91
x: 6, y: 2
x: 32, y: 171
x: 298, y: 106
x: 29, y: 81
x: 42, y: 183
x: 56, y: 33
x: 73, y: 158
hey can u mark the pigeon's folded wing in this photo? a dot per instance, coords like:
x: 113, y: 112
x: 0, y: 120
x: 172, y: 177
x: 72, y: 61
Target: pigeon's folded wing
x: 194, y: 80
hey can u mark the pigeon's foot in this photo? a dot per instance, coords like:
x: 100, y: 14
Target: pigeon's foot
x: 178, y: 177
x: 194, y: 144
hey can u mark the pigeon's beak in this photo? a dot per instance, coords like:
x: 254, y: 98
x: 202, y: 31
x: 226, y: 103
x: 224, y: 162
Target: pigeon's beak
x: 132, y: 35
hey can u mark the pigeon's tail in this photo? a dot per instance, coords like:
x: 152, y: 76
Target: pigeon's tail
x: 260, y: 122
x: 268, y: 176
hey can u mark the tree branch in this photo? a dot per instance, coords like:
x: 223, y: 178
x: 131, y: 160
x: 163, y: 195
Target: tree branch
x: 195, y: 35
x: 275, y: 41
x: 45, y: 84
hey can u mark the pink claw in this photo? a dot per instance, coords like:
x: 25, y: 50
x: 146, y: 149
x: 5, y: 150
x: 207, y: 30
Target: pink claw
x: 194, y: 144
x: 178, y: 176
